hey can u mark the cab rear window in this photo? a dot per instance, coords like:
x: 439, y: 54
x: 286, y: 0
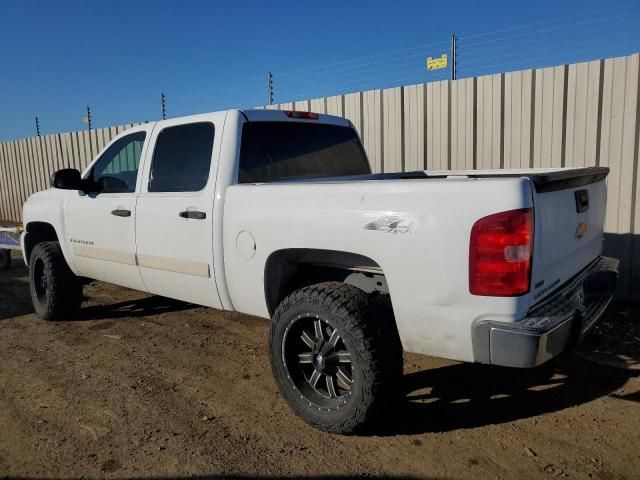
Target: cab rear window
x: 275, y: 151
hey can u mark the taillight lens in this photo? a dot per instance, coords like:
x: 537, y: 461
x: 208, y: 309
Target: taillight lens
x: 302, y: 115
x: 500, y: 254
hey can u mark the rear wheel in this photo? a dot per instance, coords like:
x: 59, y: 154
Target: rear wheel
x: 330, y: 360
x: 56, y: 293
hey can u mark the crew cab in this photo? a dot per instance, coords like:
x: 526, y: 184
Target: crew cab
x: 277, y: 214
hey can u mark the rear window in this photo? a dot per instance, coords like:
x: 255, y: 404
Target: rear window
x: 272, y: 151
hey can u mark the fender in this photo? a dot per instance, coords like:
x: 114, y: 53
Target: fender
x: 48, y: 207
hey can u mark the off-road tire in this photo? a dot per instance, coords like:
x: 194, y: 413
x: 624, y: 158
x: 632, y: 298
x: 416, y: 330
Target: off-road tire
x: 5, y: 259
x: 58, y: 296
x: 376, y: 356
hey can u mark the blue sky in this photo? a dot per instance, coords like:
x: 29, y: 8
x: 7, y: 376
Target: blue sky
x: 118, y: 56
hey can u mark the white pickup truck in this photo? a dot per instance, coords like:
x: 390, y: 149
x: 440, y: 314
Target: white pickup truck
x: 277, y: 214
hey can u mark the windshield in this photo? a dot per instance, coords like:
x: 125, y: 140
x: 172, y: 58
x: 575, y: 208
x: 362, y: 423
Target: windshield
x: 273, y: 151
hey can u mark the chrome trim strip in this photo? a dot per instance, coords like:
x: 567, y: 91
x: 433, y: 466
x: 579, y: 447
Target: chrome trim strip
x: 108, y: 255
x: 175, y: 265
x: 187, y: 267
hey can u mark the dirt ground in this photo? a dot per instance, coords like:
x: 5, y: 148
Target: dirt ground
x: 145, y: 387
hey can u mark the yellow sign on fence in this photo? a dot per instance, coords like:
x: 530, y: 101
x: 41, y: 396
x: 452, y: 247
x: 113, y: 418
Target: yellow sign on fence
x: 437, y: 63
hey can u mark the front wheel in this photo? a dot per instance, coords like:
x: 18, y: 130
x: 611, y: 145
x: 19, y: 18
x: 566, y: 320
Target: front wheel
x: 330, y: 359
x: 56, y: 293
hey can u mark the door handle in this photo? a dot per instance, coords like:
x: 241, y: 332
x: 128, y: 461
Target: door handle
x: 121, y: 213
x: 194, y: 214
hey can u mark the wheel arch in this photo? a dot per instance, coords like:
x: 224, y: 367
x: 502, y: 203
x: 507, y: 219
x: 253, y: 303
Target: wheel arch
x: 289, y: 269
x: 35, y: 233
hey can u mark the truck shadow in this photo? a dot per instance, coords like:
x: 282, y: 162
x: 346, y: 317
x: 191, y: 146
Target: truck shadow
x: 472, y: 395
x: 468, y: 396
x: 15, y: 298
x: 15, y: 301
x: 142, y: 307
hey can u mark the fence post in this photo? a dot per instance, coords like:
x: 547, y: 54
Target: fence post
x: 87, y: 118
x: 454, y: 56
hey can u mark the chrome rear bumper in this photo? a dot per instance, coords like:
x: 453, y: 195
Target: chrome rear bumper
x: 559, y: 323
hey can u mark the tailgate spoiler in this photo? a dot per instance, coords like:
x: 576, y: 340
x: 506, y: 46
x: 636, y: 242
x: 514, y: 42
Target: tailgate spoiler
x: 562, y: 179
x: 549, y: 181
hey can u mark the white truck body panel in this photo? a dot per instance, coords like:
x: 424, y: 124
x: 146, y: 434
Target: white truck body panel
x: 220, y: 261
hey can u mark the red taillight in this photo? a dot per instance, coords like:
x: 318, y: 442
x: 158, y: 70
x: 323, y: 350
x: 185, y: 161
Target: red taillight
x: 500, y: 254
x: 303, y: 115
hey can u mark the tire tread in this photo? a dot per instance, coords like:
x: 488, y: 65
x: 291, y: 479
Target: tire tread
x: 65, y: 289
x: 379, y: 370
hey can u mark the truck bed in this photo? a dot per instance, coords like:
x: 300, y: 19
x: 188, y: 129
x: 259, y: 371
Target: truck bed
x: 425, y: 256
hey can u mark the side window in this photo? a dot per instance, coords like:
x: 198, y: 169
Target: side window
x: 116, y: 170
x: 182, y: 158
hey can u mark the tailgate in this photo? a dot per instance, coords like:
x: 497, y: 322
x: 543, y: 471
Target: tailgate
x: 569, y: 222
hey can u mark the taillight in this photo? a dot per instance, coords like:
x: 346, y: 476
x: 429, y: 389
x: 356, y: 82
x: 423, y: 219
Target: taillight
x: 303, y: 115
x: 500, y: 254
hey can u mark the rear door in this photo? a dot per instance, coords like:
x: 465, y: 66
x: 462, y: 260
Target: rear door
x: 174, y: 215
x: 569, y: 226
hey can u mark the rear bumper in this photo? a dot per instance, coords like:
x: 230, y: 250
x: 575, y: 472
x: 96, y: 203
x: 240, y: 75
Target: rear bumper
x: 558, y: 324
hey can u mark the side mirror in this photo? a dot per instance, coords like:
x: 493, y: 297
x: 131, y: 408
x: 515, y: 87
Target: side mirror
x: 67, y: 179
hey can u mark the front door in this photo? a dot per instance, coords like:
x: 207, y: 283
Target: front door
x: 101, y: 224
x: 174, y: 221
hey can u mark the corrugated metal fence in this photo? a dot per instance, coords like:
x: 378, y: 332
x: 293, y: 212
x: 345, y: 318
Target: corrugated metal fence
x: 584, y: 114
x: 27, y: 164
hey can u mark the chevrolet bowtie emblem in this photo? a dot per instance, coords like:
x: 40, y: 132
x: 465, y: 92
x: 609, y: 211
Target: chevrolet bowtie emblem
x: 582, y: 229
